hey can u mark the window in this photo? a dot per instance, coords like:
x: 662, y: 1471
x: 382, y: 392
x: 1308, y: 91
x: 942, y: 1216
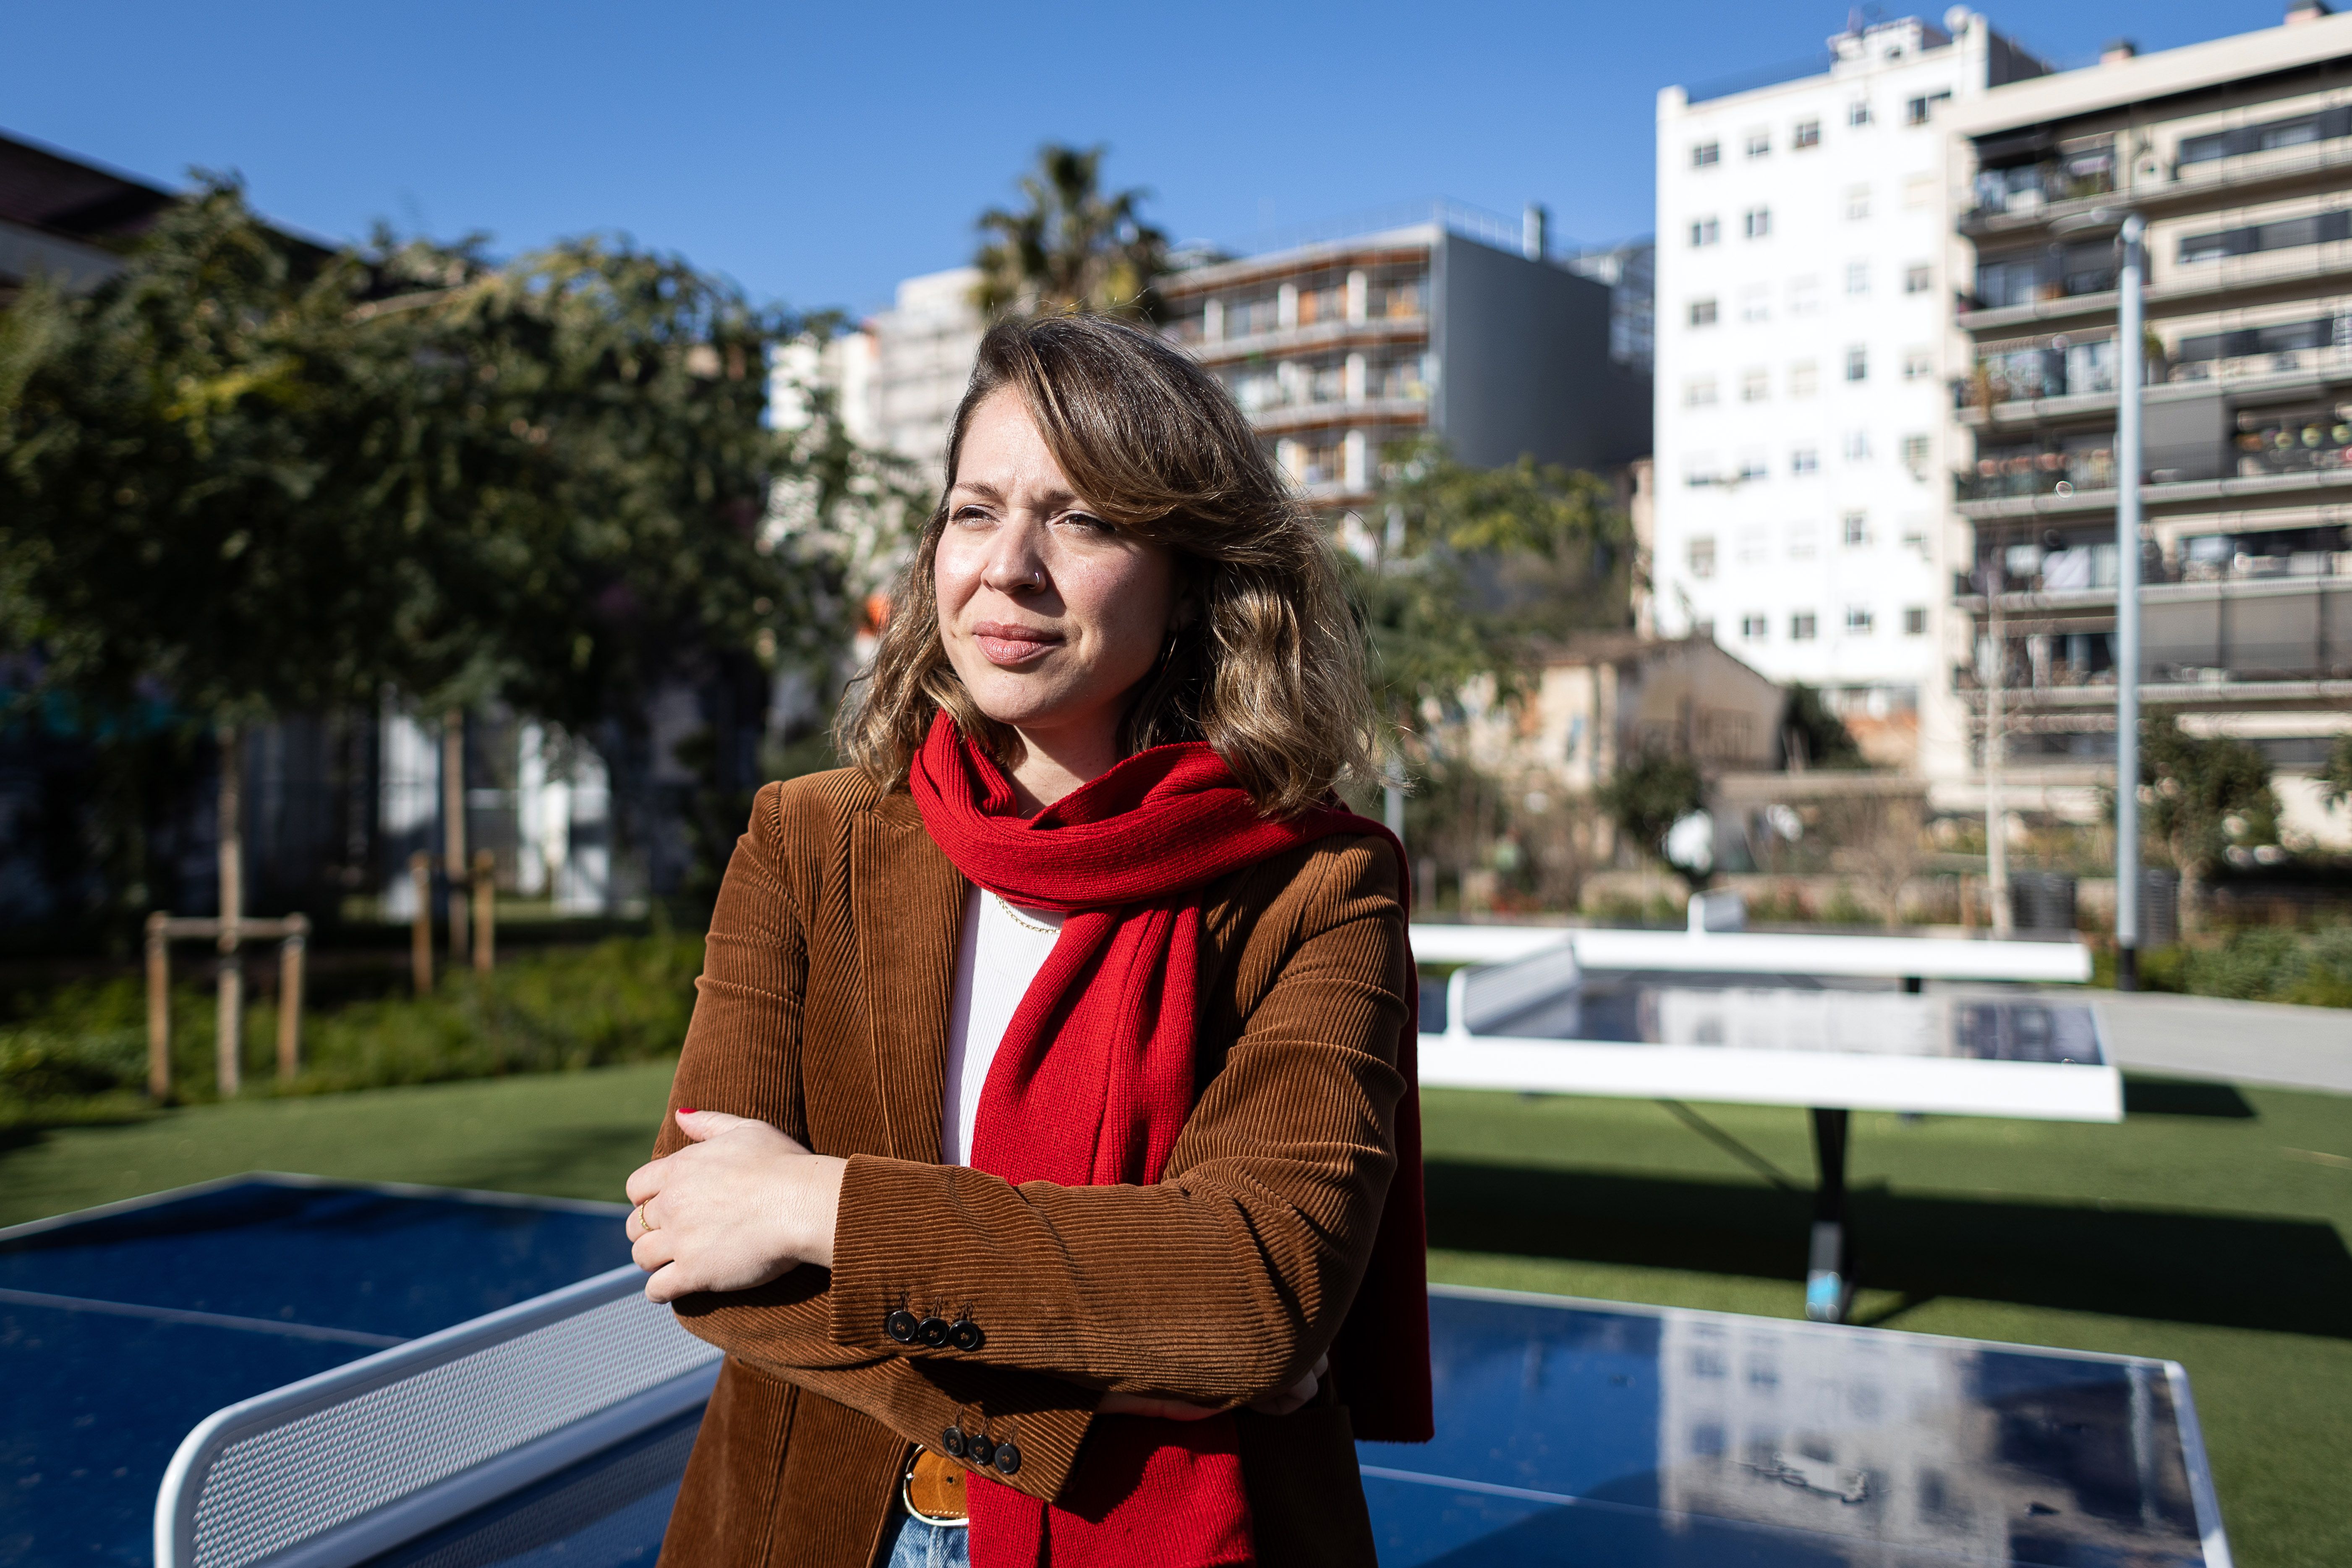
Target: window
x: 1706, y: 154
x: 1857, y: 201
x: 1755, y: 547
x: 1914, y: 621
x: 1805, y: 460
x: 1857, y: 364
x: 1702, y: 312
x: 1801, y: 626
x: 1756, y: 303
x: 1752, y: 466
x: 2319, y: 228
x: 1800, y: 541
x: 1807, y: 133
x: 1698, y: 469
x: 1753, y: 628
x: 1804, y: 296
x: 1915, y: 455
x: 1917, y: 364
x: 1854, y: 529
x: 1755, y: 386
x: 1858, y: 620
x: 1915, y: 537
x: 1919, y: 277
x: 1857, y: 446
x: 1760, y: 222
x: 2324, y: 126
x: 1759, y: 143
x: 1702, y: 555
x: 1698, y: 392
x: 1857, y: 277
x: 1705, y: 231
x: 1804, y: 378
x: 1858, y: 112
x: 1919, y: 192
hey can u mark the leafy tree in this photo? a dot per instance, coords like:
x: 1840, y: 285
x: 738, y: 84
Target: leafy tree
x: 1462, y: 571
x: 246, y: 478
x: 2203, y: 797
x: 1070, y: 247
x: 1461, y: 575
x: 1647, y: 795
x: 1812, y: 736
x: 2336, y: 775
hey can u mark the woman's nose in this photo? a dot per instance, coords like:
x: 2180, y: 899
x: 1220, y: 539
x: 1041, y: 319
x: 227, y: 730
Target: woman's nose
x: 1014, y: 565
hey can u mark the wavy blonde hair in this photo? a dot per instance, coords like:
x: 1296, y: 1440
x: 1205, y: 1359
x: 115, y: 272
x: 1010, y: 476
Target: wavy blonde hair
x: 1270, y: 672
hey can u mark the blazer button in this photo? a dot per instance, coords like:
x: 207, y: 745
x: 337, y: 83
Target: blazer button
x: 980, y: 1450
x: 933, y: 1332
x: 902, y: 1326
x: 1008, y: 1457
x: 951, y: 1442
x: 965, y: 1335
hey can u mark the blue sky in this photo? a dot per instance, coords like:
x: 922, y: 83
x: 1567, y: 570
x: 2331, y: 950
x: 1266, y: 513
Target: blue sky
x: 817, y: 154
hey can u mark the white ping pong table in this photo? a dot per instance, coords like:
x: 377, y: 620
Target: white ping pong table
x: 1830, y: 1023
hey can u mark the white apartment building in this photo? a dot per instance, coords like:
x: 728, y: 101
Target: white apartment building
x: 902, y: 373
x: 2237, y: 153
x: 1804, y: 336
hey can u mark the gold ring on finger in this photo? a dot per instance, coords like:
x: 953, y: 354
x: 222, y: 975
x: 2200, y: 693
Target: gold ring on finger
x: 646, y: 1226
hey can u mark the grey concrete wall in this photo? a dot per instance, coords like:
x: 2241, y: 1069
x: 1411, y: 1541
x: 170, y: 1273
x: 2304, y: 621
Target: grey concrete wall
x: 1523, y: 364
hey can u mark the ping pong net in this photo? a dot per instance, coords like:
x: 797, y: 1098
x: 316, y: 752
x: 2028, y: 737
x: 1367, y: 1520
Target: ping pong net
x: 329, y: 1471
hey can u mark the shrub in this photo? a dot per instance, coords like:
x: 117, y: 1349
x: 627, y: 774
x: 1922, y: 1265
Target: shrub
x: 85, y: 1047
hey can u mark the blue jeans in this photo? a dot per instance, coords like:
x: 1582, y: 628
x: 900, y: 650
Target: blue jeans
x: 909, y: 1542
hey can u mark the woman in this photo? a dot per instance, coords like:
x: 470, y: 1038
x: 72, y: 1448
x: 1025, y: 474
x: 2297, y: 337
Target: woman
x: 1047, y: 1111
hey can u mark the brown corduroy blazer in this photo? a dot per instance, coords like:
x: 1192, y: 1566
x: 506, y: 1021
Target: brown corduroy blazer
x: 823, y: 1008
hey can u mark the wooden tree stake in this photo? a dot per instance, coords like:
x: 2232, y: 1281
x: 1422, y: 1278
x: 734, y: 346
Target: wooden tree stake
x: 453, y: 824
x: 289, y: 1003
x: 486, y: 886
x: 420, y: 929
x: 159, y: 1008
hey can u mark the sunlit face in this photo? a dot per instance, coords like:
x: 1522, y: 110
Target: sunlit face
x: 1050, y: 615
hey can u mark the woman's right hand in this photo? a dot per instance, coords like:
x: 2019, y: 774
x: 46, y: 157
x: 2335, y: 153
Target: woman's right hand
x: 1281, y: 1403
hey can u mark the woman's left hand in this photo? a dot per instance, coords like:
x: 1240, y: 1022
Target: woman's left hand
x: 738, y: 1207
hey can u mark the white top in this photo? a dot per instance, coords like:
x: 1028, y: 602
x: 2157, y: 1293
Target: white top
x: 999, y: 953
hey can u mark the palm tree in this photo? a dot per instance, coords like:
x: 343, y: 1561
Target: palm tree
x: 1069, y: 247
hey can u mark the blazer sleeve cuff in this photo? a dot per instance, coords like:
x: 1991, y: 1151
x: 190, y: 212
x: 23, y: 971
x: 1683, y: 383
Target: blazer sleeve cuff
x: 878, y: 1259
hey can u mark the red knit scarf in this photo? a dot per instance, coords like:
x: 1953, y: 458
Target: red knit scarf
x: 1095, y: 1078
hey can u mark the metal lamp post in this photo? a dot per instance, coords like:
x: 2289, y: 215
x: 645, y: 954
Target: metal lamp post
x: 2130, y: 371
x: 2127, y: 560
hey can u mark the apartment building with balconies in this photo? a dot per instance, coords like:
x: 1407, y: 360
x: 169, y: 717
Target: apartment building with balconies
x: 1803, y: 327
x: 2237, y: 155
x: 1342, y: 350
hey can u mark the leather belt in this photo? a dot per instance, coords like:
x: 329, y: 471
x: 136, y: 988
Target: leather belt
x: 932, y: 1489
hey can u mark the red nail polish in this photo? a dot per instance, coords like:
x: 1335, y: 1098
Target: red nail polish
x: 686, y: 1110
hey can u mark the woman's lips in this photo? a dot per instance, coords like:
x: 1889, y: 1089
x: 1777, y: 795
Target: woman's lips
x: 1004, y: 644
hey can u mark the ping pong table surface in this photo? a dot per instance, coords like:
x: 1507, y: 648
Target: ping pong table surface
x: 1568, y: 1431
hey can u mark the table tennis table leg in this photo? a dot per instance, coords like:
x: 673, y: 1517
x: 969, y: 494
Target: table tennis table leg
x: 1829, y: 1271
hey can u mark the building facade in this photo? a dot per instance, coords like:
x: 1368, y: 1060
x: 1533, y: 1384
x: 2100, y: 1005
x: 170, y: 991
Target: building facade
x: 2238, y: 154
x: 1803, y: 329
x: 1341, y: 350
x: 66, y: 218
x: 900, y: 373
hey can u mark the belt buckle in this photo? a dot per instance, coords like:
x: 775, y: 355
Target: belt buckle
x: 906, y: 1494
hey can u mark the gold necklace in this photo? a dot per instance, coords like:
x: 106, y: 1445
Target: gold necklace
x: 1016, y: 917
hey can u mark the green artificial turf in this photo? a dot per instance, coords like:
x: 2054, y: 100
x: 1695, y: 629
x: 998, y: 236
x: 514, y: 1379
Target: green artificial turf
x: 2209, y: 1228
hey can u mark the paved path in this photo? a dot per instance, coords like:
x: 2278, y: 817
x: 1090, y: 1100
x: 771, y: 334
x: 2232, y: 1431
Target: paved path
x: 2245, y: 1042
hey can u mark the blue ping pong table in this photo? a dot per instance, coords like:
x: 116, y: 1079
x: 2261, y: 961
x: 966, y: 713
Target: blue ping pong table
x: 153, y: 1343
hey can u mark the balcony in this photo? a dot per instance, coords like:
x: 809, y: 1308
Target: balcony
x: 2026, y: 192
x: 2008, y: 475
x: 2225, y: 642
